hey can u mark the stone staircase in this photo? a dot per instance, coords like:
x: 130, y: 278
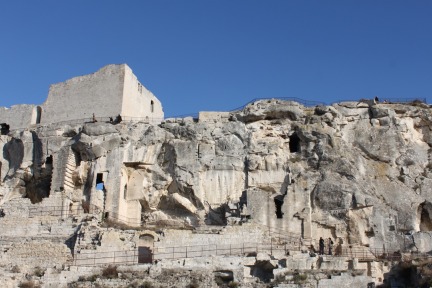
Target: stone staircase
x: 69, y: 169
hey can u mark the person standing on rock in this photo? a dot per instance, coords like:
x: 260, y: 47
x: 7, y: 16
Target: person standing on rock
x: 330, y: 246
x: 321, y: 246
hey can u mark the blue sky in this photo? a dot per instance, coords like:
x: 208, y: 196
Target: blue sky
x: 217, y: 55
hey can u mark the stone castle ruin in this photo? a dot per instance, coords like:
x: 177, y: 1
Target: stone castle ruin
x: 228, y: 197
x: 113, y: 90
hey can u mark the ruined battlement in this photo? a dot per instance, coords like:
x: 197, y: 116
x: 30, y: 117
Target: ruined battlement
x: 113, y: 90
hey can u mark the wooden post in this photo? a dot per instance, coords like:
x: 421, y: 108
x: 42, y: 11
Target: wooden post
x: 271, y: 246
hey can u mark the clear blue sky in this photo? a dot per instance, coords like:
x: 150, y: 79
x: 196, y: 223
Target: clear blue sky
x: 217, y: 55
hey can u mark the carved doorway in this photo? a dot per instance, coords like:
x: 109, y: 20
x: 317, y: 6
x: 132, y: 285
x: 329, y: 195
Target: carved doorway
x: 145, y: 248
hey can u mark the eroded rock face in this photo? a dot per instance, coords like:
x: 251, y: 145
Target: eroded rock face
x: 354, y: 171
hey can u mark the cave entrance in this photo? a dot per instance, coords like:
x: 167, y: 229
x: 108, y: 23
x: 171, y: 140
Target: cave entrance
x: 38, y: 186
x: 145, y: 247
x: 294, y: 143
x: 424, y: 212
x: 49, y: 160
x: 278, y: 200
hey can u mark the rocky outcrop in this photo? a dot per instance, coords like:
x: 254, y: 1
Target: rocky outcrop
x: 358, y: 173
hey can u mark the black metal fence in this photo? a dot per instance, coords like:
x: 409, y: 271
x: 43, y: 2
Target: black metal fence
x: 98, y: 258
x: 57, y: 211
x: 141, y: 256
x: 196, y: 251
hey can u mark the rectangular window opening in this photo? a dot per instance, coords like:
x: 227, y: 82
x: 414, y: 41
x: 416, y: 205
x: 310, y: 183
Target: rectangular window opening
x: 99, y: 181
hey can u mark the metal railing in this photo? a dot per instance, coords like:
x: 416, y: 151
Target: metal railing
x: 294, y: 240
x: 196, y: 251
x: 55, y: 211
x: 132, y: 257
x: 87, y: 258
x: 307, y: 103
x: 387, y: 100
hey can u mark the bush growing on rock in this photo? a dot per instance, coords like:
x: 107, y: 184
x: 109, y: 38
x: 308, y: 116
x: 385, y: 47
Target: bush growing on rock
x: 38, y: 271
x: 110, y: 272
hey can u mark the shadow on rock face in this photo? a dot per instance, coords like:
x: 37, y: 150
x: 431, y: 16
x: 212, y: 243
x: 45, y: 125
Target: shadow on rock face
x: 13, y: 152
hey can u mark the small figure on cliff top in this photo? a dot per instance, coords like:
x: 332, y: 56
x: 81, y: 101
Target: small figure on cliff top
x: 376, y: 99
x: 94, y: 118
x: 118, y: 119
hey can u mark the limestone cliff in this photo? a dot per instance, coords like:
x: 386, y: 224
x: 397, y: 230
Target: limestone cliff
x: 359, y: 173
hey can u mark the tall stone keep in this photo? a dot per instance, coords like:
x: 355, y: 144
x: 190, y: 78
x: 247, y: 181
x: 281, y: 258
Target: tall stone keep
x: 111, y: 91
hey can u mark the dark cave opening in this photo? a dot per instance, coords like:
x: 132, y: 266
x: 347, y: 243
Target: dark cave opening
x: 294, y: 143
x: 278, y: 200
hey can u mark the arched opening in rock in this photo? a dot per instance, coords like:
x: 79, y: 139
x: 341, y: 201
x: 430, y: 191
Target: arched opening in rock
x: 424, y: 213
x: 294, y: 143
x: 278, y: 200
x: 145, y: 247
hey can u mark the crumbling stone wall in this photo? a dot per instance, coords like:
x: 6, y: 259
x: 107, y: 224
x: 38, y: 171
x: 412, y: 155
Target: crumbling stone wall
x: 111, y: 91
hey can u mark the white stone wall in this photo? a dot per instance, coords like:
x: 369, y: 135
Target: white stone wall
x: 111, y: 91
x: 99, y: 93
x: 18, y: 116
x: 210, y: 116
x: 137, y: 100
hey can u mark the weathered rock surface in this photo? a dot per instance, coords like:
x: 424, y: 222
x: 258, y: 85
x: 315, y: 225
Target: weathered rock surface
x: 357, y: 173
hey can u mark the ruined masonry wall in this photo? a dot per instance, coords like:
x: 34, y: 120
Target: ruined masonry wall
x: 18, y: 116
x: 235, y: 235
x: 99, y: 93
x: 137, y: 100
x: 111, y: 91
